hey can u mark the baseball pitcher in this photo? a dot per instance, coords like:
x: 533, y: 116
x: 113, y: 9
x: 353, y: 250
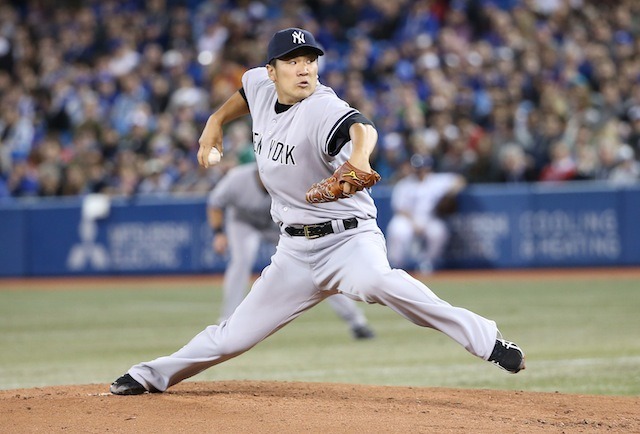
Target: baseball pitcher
x: 312, y: 151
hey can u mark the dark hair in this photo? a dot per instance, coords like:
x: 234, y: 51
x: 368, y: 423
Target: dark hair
x: 302, y: 51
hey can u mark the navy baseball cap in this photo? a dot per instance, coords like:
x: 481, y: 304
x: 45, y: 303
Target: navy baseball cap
x: 287, y: 40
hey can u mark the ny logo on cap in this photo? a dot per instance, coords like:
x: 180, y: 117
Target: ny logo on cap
x: 298, y: 37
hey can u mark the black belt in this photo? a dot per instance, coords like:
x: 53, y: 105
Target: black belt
x: 320, y: 229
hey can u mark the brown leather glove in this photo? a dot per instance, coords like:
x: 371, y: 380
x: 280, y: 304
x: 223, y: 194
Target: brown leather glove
x: 330, y: 189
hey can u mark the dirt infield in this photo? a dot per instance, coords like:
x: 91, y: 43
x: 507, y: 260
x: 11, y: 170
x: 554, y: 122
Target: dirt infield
x: 283, y: 407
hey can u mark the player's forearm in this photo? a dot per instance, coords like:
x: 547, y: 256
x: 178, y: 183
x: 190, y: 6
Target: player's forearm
x: 215, y: 216
x: 211, y: 136
x: 232, y: 109
x: 363, y: 139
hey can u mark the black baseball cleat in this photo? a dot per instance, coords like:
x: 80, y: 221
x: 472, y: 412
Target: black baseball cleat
x: 508, y: 356
x: 126, y: 385
x: 362, y: 332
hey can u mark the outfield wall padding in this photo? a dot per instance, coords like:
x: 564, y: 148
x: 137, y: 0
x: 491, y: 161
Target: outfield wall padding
x: 522, y: 226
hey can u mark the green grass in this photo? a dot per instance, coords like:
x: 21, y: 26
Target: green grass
x: 580, y: 335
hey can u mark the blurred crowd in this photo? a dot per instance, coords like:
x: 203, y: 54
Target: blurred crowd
x: 111, y: 96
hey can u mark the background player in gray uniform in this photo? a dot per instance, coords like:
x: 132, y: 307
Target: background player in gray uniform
x: 238, y: 212
x: 302, y: 133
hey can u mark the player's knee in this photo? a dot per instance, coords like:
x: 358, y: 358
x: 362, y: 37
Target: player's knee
x: 231, y: 348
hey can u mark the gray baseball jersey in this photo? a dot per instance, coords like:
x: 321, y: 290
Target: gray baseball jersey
x: 292, y: 151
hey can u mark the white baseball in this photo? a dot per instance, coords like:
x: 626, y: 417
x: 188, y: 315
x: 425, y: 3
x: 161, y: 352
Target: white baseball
x: 214, y: 156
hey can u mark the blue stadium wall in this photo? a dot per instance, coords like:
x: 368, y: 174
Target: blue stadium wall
x: 569, y: 225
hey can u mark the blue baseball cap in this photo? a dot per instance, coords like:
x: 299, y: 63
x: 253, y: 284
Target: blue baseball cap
x: 287, y: 40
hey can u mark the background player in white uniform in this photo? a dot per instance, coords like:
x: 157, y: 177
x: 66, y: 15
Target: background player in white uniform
x: 415, y: 222
x: 238, y: 212
x: 302, y: 133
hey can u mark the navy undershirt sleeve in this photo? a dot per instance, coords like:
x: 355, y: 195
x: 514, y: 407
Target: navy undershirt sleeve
x: 244, y: 95
x: 342, y: 134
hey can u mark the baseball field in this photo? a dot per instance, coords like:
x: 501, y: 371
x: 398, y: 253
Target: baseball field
x: 64, y: 340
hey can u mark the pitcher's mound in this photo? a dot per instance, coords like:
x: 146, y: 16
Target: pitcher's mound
x: 288, y: 407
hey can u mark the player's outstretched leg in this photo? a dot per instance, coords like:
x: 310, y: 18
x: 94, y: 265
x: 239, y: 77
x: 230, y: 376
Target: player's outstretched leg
x: 475, y: 333
x: 372, y: 280
x: 288, y: 294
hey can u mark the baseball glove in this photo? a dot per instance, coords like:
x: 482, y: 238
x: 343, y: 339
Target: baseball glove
x: 447, y: 205
x: 330, y: 189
